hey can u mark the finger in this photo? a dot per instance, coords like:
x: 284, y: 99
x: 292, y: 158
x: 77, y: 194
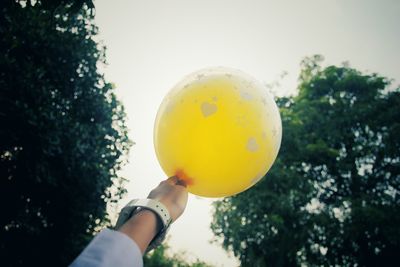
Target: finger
x: 173, y: 180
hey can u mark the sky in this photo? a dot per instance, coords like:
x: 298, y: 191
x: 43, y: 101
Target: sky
x: 152, y: 45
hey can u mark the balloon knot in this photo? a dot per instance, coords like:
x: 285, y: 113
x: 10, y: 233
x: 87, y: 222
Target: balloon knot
x: 184, y: 177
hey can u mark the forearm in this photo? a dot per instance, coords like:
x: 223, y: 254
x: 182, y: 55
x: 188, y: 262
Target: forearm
x: 115, y: 248
x: 142, y: 228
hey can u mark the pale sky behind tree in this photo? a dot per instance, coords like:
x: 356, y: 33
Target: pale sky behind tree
x: 152, y: 44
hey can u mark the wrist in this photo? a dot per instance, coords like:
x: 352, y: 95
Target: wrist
x: 151, y: 216
x: 142, y: 227
x: 146, y: 221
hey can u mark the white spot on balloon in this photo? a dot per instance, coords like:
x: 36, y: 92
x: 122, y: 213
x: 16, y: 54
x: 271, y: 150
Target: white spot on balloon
x: 264, y: 101
x: 200, y: 76
x: 169, y: 107
x: 246, y: 96
x: 264, y: 135
x: 208, y: 109
x: 252, y: 144
x: 274, y: 131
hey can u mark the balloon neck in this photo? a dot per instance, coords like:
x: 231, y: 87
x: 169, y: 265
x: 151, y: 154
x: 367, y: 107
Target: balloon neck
x: 184, y: 177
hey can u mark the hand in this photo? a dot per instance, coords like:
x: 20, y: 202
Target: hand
x: 173, y: 194
x: 143, y: 226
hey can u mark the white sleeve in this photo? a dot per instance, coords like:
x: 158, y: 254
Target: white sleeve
x: 110, y: 248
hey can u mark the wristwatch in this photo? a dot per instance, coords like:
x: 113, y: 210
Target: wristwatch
x: 134, y: 206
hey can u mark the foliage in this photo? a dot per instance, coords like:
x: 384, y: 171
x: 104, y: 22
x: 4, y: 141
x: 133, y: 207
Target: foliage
x: 62, y: 136
x: 158, y: 258
x: 332, y: 197
x: 54, y: 6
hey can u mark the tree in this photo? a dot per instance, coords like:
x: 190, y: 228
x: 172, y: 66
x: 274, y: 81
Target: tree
x: 63, y: 135
x: 332, y: 197
x: 158, y: 258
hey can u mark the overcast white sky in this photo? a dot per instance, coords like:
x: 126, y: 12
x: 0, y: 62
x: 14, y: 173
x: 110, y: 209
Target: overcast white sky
x: 152, y: 44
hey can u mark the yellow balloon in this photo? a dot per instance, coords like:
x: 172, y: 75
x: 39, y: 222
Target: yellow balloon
x: 219, y: 131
